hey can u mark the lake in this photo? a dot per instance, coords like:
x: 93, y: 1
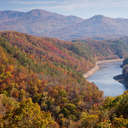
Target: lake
x: 103, y: 78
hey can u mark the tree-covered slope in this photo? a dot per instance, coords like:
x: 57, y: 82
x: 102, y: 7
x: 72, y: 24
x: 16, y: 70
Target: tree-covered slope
x: 113, y: 113
x: 48, y: 56
x: 27, y: 101
x: 40, y: 92
x: 41, y: 87
x: 123, y: 78
x: 52, y: 57
x: 102, y: 49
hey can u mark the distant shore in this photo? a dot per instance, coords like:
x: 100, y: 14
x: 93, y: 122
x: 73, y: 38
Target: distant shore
x: 96, y: 67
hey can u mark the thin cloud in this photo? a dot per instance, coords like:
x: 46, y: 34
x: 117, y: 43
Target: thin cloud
x: 73, y: 4
x: 22, y: 2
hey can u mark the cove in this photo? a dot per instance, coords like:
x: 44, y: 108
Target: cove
x: 103, y: 78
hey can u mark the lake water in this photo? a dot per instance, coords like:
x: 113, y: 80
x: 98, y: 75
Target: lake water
x: 103, y: 78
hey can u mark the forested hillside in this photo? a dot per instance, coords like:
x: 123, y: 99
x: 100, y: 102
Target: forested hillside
x: 124, y: 76
x: 48, y: 56
x: 41, y: 84
x: 102, y: 49
x: 41, y: 91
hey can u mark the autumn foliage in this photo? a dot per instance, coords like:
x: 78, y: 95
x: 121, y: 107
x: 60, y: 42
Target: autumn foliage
x: 31, y: 92
x: 41, y: 86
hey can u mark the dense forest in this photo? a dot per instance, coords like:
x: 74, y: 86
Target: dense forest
x: 103, y: 49
x: 41, y: 86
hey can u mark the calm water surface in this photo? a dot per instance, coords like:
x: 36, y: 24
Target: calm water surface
x: 103, y: 78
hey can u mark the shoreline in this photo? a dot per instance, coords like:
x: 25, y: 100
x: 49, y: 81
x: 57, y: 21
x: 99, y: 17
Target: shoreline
x: 96, y: 67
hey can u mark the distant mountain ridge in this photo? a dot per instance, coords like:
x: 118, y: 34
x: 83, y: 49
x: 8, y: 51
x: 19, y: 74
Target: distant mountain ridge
x: 97, y: 26
x: 47, y: 24
x: 36, y: 22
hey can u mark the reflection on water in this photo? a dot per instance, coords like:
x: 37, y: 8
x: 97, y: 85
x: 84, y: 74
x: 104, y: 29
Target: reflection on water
x: 103, y: 78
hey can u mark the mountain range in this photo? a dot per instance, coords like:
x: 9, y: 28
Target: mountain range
x: 48, y: 24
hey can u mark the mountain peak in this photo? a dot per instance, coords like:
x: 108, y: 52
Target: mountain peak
x: 38, y: 12
x: 41, y: 12
x: 98, y: 17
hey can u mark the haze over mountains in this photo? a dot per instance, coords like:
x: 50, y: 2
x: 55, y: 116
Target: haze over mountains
x: 44, y: 23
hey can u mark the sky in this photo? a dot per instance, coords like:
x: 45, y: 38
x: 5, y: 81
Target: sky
x: 81, y: 8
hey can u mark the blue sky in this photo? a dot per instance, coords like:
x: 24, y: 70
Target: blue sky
x: 81, y: 8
